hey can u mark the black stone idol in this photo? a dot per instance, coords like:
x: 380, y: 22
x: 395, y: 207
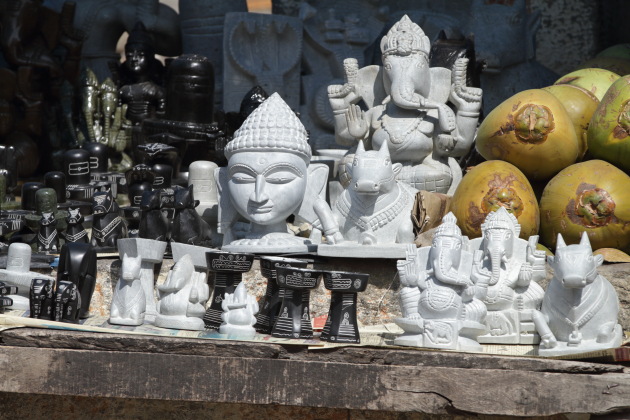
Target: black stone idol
x: 341, y: 325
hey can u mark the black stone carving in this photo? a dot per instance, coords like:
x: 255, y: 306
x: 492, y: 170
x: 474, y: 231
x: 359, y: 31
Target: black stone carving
x: 47, y: 238
x: 4, y: 291
x: 153, y: 222
x: 75, y: 232
x: 294, y: 318
x: 341, y: 325
x: 228, y: 268
x: 274, y: 294
x: 42, y: 298
x: 67, y: 302
x: 107, y: 225
x: 188, y: 226
x: 77, y: 264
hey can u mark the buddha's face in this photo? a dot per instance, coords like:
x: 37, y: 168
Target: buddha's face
x: 266, y: 187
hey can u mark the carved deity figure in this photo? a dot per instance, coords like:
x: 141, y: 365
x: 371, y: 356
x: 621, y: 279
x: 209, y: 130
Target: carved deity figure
x: 515, y: 267
x: 267, y: 179
x: 442, y: 292
x: 239, y: 313
x: 427, y: 116
x: 580, y: 307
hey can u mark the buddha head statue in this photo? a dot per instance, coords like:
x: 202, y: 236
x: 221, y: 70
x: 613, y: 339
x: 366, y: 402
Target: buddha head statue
x: 267, y: 168
x: 406, y: 73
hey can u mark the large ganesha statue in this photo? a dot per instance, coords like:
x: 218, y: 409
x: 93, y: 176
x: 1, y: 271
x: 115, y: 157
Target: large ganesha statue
x: 427, y: 116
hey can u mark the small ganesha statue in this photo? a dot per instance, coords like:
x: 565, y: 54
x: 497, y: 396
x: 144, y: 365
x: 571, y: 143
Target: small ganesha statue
x: 580, y: 307
x: 515, y: 267
x: 239, y: 314
x: 427, y: 116
x: 442, y: 291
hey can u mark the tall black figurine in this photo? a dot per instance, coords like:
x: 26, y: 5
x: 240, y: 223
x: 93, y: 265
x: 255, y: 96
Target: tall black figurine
x: 274, y: 294
x: 67, y: 302
x: 341, y: 325
x: 42, y: 298
x: 153, y: 222
x: 47, y: 238
x: 107, y: 225
x: 75, y: 232
x: 294, y: 318
x: 188, y: 226
x: 77, y: 264
x: 228, y: 268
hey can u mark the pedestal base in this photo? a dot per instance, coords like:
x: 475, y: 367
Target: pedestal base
x: 354, y: 250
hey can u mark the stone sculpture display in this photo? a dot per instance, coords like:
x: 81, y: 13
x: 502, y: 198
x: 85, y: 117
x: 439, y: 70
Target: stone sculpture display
x: 374, y: 213
x: 77, y: 264
x: 228, y: 269
x: 294, y: 317
x: 133, y: 302
x: 75, y: 232
x: 441, y: 295
x: 580, y: 307
x: 188, y: 227
x: 239, y: 310
x: 263, y: 50
x: 515, y: 267
x: 107, y: 225
x: 341, y: 325
x: 67, y: 302
x: 410, y: 111
x: 18, y: 274
x: 267, y: 179
x: 42, y: 298
x: 182, y: 297
x: 270, y: 308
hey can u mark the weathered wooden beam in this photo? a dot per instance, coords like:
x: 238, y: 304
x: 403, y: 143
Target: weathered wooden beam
x: 428, y: 389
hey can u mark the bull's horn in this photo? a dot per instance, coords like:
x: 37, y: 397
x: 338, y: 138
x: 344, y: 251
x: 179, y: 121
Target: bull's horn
x: 384, y: 150
x: 360, y: 148
x: 584, y: 240
x: 560, y: 242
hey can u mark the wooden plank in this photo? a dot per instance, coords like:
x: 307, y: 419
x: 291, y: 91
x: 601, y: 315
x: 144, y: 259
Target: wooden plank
x: 437, y: 390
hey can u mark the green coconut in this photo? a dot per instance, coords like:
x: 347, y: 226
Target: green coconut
x: 596, y: 81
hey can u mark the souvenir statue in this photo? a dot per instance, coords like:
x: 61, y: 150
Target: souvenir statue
x: 239, y: 310
x: 374, y: 212
x: 75, y: 232
x: 47, y: 238
x: 29, y: 190
x: 188, y: 226
x: 294, y: 318
x: 107, y: 225
x: 67, y: 302
x: 42, y: 298
x: 77, y: 264
x: 153, y: 222
x: 77, y: 170
x: 580, y: 307
x: 17, y: 274
x: 341, y: 325
x: 274, y: 293
x: 409, y: 109
x: 201, y: 177
x: 46, y: 221
x: 441, y: 293
x: 138, y: 179
x: 515, y: 267
x: 268, y: 178
x: 228, y: 269
x: 133, y: 302
x: 6, y: 301
x: 182, y: 297
x: 57, y: 181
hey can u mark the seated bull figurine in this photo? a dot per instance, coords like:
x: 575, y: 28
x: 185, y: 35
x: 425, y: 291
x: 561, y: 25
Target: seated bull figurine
x: 268, y: 178
x: 442, y: 291
x: 580, y: 307
x: 373, y: 214
x: 515, y: 267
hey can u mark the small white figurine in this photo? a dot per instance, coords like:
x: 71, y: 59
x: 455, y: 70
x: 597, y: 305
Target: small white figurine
x: 374, y: 210
x: 440, y: 298
x: 182, y: 297
x: 129, y: 305
x: 239, y: 314
x: 267, y: 179
x: 515, y: 267
x: 17, y: 274
x: 580, y: 307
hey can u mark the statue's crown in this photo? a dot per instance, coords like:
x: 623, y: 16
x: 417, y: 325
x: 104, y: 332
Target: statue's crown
x: 405, y: 38
x: 273, y: 127
x: 448, y: 227
x: 501, y: 219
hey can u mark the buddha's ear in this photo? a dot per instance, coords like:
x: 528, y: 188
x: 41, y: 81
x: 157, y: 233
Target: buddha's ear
x: 316, y: 183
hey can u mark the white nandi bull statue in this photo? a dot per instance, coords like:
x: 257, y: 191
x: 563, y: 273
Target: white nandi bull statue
x: 374, y: 210
x: 580, y: 307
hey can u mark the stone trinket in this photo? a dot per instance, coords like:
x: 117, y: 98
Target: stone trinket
x: 341, y: 325
x: 67, y: 302
x: 294, y: 318
x: 239, y: 310
x: 42, y: 299
x: 77, y: 264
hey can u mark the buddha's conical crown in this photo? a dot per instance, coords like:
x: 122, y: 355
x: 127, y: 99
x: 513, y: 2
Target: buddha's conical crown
x: 273, y: 127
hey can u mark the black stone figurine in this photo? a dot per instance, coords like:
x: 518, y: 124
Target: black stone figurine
x: 77, y: 264
x: 75, y: 232
x: 274, y: 294
x: 4, y: 291
x: 107, y: 225
x: 188, y: 226
x: 47, y: 238
x: 228, y: 268
x: 67, y: 302
x: 294, y: 318
x: 42, y: 298
x: 153, y: 222
x: 76, y: 164
x: 341, y: 325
